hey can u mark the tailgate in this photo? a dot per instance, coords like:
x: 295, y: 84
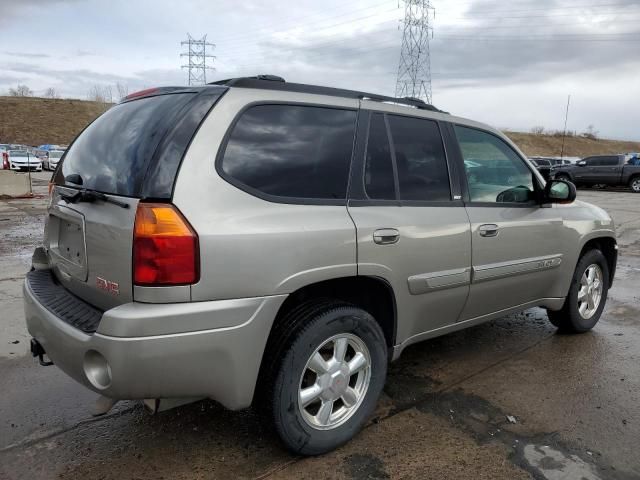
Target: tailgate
x: 90, y: 248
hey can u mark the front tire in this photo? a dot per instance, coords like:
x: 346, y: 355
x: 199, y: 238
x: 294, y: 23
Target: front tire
x: 563, y: 177
x: 587, y: 295
x: 326, y: 382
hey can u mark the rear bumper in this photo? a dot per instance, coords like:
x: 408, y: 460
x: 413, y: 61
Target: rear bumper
x: 219, y: 363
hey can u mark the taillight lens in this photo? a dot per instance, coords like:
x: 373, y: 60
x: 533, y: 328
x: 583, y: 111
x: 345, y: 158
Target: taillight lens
x: 165, y: 247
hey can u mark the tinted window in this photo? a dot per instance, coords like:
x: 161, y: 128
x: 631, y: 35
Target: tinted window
x: 495, y: 173
x: 112, y: 155
x: 292, y: 151
x: 609, y: 161
x: 379, y: 181
x: 592, y: 161
x: 420, y: 159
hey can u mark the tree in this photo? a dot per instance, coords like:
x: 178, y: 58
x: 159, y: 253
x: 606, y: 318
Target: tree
x: 51, y: 93
x: 100, y: 93
x: 591, y: 133
x: 122, y: 89
x: 21, y: 91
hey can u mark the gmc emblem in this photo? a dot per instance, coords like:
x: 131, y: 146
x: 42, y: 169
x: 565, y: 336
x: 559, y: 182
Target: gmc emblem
x: 110, y: 287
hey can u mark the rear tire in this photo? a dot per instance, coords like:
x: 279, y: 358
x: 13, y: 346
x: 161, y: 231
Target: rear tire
x: 634, y: 184
x: 587, y: 295
x: 323, y: 375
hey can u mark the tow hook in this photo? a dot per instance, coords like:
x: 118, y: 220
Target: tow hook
x: 38, y: 351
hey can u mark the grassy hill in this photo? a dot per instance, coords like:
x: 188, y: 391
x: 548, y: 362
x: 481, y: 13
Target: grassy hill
x: 34, y: 121
x: 551, y: 145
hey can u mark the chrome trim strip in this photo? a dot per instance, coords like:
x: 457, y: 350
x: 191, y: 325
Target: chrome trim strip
x: 426, y: 282
x: 494, y: 271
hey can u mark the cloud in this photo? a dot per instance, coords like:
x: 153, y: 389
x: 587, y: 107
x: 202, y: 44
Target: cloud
x: 11, y: 8
x: 537, y: 52
x: 26, y: 54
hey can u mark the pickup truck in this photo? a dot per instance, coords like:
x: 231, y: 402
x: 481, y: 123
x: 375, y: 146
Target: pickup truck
x: 612, y: 170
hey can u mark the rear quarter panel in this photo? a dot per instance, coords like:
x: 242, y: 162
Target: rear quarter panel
x: 249, y: 246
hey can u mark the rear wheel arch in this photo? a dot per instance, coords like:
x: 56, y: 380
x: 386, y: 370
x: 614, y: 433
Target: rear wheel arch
x: 372, y: 294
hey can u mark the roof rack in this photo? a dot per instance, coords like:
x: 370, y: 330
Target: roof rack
x: 273, y: 82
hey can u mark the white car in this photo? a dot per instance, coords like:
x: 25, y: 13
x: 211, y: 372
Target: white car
x: 51, y: 161
x: 23, y: 160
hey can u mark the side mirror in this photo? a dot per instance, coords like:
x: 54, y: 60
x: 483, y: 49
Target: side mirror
x: 582, y: 163
x: 559, y: 191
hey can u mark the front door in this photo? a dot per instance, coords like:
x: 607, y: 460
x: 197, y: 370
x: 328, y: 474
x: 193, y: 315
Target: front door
x: 409, y: 229
x: 516, y: 243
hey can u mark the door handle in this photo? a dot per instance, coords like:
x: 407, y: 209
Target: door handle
x: 386, y: 236
x: 488, y: 230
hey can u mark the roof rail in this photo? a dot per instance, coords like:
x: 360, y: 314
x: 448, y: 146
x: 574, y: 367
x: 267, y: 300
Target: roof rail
x: 273, y: 82
x: 234, y: 81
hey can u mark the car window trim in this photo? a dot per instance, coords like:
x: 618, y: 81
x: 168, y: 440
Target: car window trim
x: 362, y: 179
x: 358, y: 196
x: 463, y: 176
x: 277, y: 198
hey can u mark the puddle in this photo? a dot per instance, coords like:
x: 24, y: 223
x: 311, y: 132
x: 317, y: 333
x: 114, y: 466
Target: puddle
x: 553, y: 464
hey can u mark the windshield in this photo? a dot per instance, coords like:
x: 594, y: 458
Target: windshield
x: 55, y: 154
x: 18, y: 153
x: 112, y: 155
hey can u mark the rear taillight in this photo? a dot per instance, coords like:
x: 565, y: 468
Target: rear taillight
x: 165, y: 247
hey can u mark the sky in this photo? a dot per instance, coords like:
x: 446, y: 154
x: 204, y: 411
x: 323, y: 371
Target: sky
x: 511, y: 64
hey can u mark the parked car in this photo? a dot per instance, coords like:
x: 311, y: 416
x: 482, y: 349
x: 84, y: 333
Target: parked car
x: 543, y: 166
x: 4, y: 156
x: 22, y: 160
x: 330, y: 230
x: 51, y: 160
x: 612, y: 170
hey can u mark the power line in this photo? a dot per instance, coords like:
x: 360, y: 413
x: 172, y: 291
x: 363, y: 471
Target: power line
x: 197, y: 59
x: 414, y: 70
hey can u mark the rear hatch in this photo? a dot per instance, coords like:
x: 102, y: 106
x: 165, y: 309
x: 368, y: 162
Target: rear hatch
x: 129, y: 154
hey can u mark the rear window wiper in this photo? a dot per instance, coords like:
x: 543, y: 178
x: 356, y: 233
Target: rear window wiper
x: 88, y: 195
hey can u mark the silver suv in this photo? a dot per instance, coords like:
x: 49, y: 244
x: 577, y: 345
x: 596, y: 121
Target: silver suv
x: 258, y: 241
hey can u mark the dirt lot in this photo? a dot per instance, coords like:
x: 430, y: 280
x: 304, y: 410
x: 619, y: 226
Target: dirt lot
x: 444, y: 414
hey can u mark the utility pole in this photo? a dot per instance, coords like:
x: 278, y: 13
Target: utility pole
x: 414, y: 71
x: 564, y: 132
x: 197, y: 59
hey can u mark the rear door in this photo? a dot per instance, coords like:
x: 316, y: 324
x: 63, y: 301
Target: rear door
x: 131, y: 152
x: 610, y: 170
x: 411, y: 230
x: 587, y: 173
x: 516, y: 243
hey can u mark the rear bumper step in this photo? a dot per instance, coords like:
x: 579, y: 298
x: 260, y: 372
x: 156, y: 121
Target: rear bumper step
x: 62, y: 303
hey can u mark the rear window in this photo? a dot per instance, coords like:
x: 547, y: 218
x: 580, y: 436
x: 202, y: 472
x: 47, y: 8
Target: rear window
x: 113, y: 154
x: 291, y: 151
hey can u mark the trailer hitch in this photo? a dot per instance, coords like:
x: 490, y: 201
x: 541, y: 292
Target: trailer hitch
x: 38, y: 351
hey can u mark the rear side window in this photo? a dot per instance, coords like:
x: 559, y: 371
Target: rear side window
x: 609, y: 161
x: 379, y: 183
x: 291, y: 151
x: 113, y: 154
x: 420, y: 159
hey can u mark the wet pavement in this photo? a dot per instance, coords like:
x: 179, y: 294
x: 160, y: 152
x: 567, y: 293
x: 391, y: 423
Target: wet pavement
x: 509, y: 399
